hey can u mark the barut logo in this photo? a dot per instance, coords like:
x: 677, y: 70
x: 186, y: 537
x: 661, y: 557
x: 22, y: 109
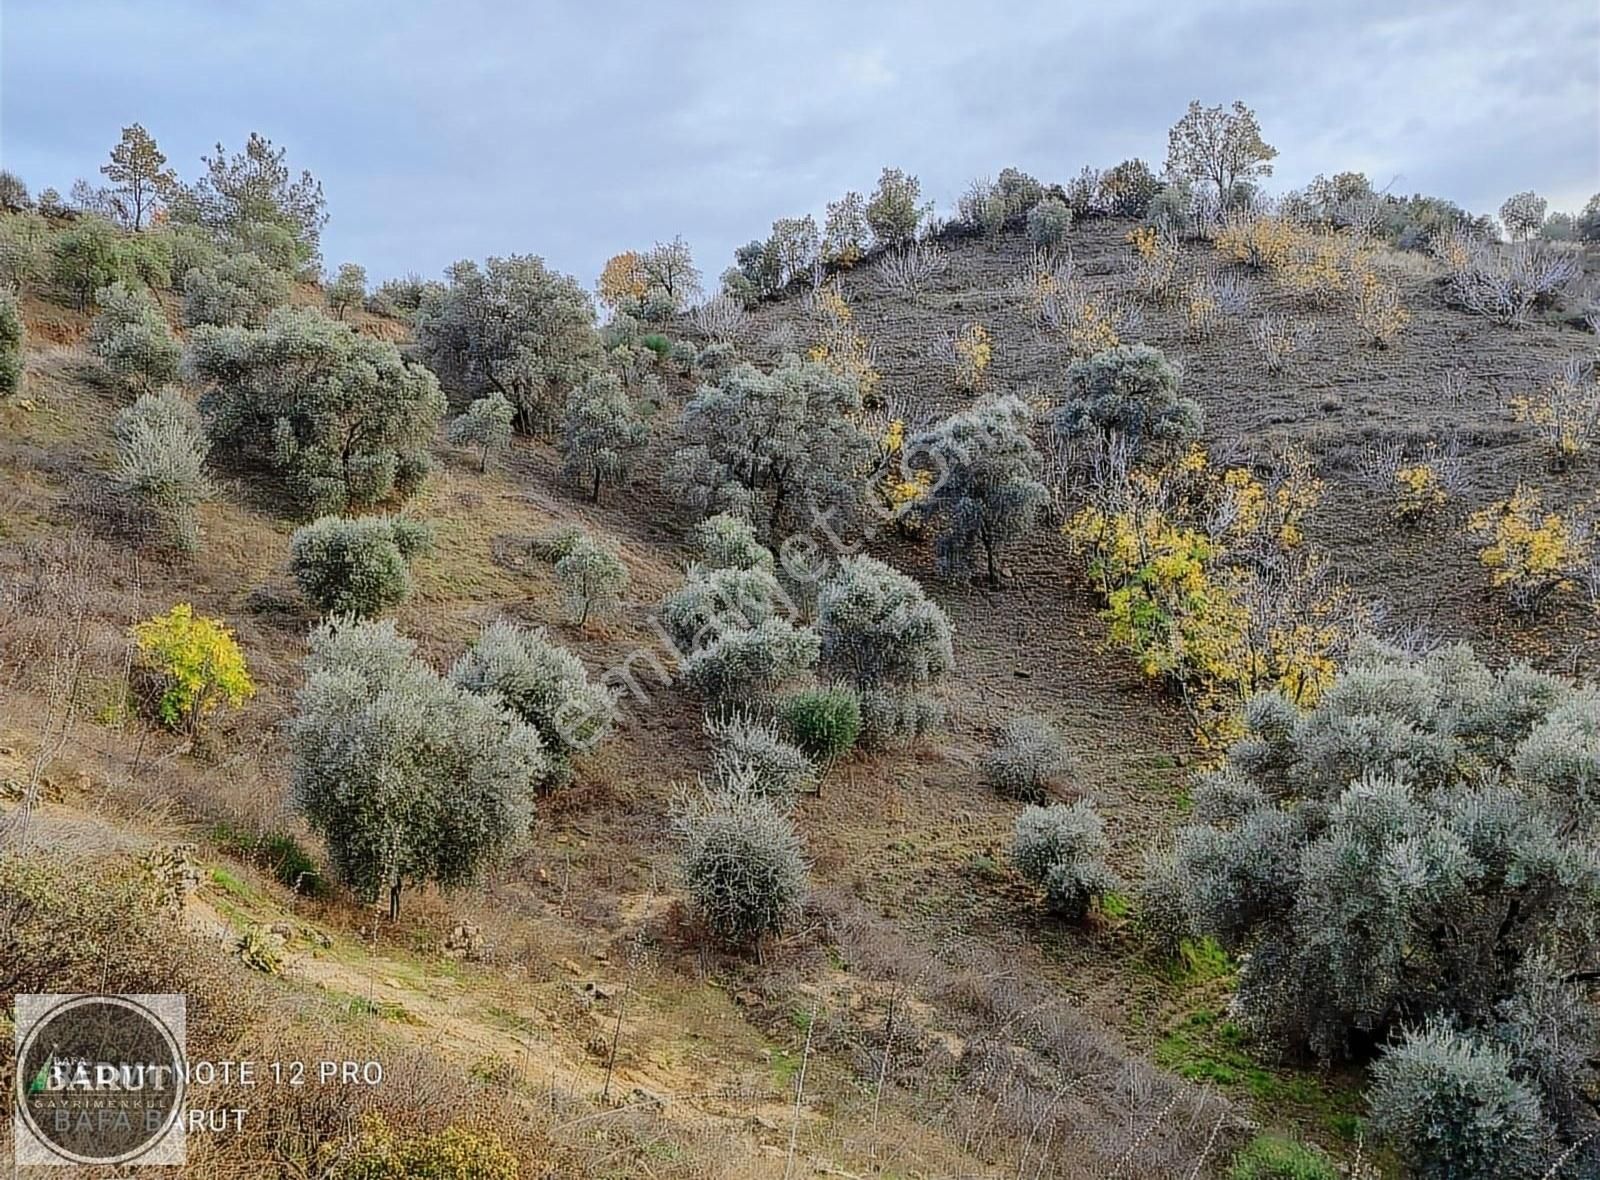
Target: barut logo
x: 99, y: 1080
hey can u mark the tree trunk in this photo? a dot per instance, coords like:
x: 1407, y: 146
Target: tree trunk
x: 394, y: 901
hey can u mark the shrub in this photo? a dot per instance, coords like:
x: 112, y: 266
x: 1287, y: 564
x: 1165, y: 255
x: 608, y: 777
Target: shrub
x: 985, y: 492
x: 238, y: 291
x: 545, y: 685
x: 1132, y: 392
x: 486, y: 425
x: 197, y: 665
x: 513, y: 326
x: 845, y: 230
x: 356, y: 567
x: 1127, y: 189
x: 1530, y: 552
x: 1587, y: 223
x: 1383, y: 858
x: 1049, y: 222
x: 742, y: 864
x: 12, y: 338
x: 746, y: 664
x: 455, y: 1153
x: 1028, y: 752
x: 1504, y: 283
x: 1278, y: 338
x: 1271, y: 1157
x: 409, y: 778
x: 161, y: 456
x: 24, y: 253
x: 894, y: 212
x: 1062, y: 849
x: 715, y: 600
x: 726, y: 541
x: 348, y: 289
x: 1565, y: 411
x: 13, y: 193
x: 1453, y: 1109
x: 823, y: 722
x: 772, y: 445
x: 749, y: 753
x: 131, y: 337
x: 592, y: 576
x: 341, y: 415
x: 88, y: 255
x: 600, y: 434
x: 882, y: 634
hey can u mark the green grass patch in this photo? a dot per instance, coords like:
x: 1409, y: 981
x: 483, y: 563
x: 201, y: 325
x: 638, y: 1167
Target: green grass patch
x: 278, y: 852
x: 1199, y: 961
x: 1115, y: 905
x: 1273, y: 1157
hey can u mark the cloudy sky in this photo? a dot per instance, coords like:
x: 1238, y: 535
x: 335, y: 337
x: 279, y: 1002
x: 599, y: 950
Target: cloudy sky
x: 573, y: 130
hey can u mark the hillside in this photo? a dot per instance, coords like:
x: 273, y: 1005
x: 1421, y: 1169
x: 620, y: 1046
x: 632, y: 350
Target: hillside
x: 925, y: 1016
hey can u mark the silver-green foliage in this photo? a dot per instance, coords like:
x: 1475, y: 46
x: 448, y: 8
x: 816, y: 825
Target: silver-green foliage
x: 1132, y: 391
x: 593, y: 577
x: 773, y: 446
x: 1049, y: 222
x: 1062, y: 848
x: 240, y: 290
x: 357, y: 567
x: 512, y: 326
x: 601, y: 433
x: 544, y: 684
x: 728, y: 541
x: 340, y: 415
x: 1409, y: 848
x: 882, y: 634
x: 486, y: 425
x: 986, y: 492
x: 348, y: 289
x: 1453, y: 1108
x: 742, y: 863
x: 410, y: 778
x: 750, y: 751
x: 713, y: 601
x: 1028, y: 752
x: 160, y: 471
x: 747, y: 664
x: 11, y: 341
x: 132, y: 338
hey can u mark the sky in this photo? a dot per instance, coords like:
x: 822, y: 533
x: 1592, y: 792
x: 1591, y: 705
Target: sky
x: 574, y: 130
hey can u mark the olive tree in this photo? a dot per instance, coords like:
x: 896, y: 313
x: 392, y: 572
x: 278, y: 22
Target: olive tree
x: 239, y: 290
x: 728, y: 541
x: 601, y: 433
x: 985, y: 491
x: 713, y: 600
x: 668, y: 271
x: 512, y: 327
x: 1420, y: 844
x: 1062, y: 849
x: 593, y: 577
x: 132, y: 338
x: 545, y: 685
x: 749, y: 751
x: 408, y: 777
x: 357, y: 567
x: 87, y: 256
x: 348, y: 290
x: 742, y: 864
x: 340, y: 415
x: 12, y: 338
x: 1027, y: 753
x: 1131, y: 391
x: 772, y: 445
x: 486, y: 425
x: 160, y: 473
x: 883, y: 635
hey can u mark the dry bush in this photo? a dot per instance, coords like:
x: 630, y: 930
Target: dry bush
x: 1279, y: 337
x: 909, y: 270
x: 1505, y: 283
x: 1565, y: 411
